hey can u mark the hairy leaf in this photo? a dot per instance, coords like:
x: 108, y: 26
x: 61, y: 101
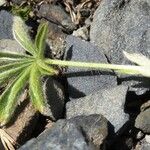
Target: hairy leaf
x: 8, y: 99
x: 13, y: 65
x: 46, y: 69
x: 20, y: 33
x: 129, y: 72
x: 35, y: 89
x: 7, y: 62
x: 138, y: 59
x: 40, y: 40
x: 13, y: 55
x: 12, y: 70
x: 145, y: 71
x: 4, y: 75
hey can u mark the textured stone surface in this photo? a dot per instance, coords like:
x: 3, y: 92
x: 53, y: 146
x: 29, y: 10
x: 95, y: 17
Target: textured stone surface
x: 83, y: 81
x: 63, y: 136
x: 144, y: 144
x: 57, y: 15
x: 6, y: 20
x: 108, y: 102
x: 82, y: 33
x: 8, y: 45
x: 18, y: 2
x: 56, y: 41
x: 54, y: 93
x: 143, y: 121
x: 94, y: 126
x: 123, y: 25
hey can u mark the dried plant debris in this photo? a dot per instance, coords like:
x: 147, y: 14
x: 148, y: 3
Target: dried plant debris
x: 80, y: 10
x: 7, y: 141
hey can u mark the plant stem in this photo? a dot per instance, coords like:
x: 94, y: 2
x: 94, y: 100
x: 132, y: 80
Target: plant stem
x: 133, y: 69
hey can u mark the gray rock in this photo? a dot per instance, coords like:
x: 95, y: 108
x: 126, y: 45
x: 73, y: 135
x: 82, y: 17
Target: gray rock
x: 144, y: 144
x: 8, y: 45
x: 140, y: 135
x: 54, y: 94
x: 143, y: 121
x: 6, y: 20
x: 123, y: 25
x: 56, y: 41
x: 62, y: 136
x: 95, y: 128
x: 108, y: 102
x: 82, y: 32
x: 85, y: 81
x: 145, y: 106
x: 57, y: 15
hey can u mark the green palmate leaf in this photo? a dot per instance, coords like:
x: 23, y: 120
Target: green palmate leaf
x: 15, y: 56
x: 8, y: 99
x: 138, y: 59
x: 10, y: 55
x: 35, y: 89
x: 4, y: 75
x: 40, y: 40
x: 46, y: 69
x: 13, y: 65
x: 20, y: 33
x: 7, y: 61
x: 13, y: 70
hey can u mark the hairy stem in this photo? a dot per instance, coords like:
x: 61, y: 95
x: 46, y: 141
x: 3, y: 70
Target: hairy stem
x: 134, y: 69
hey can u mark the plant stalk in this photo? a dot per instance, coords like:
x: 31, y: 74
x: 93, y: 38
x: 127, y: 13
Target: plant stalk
x: 135, y: 69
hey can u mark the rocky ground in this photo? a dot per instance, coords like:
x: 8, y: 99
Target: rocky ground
x: 90, y: 110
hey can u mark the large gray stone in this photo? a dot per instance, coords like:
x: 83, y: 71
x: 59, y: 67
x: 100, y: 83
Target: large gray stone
x: 143, y: 144
x: 95, y: 128
x: 54, y: 94
x: 108, y: 102
x: 8, y: 45
x: 18, y: 2
x: 83, y: 81
x: 6, y: 20
x: 143, y: 121
x: 57, y: 15
x: 62, y: 136
x: 55, y: 41
x: 123, y: 25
